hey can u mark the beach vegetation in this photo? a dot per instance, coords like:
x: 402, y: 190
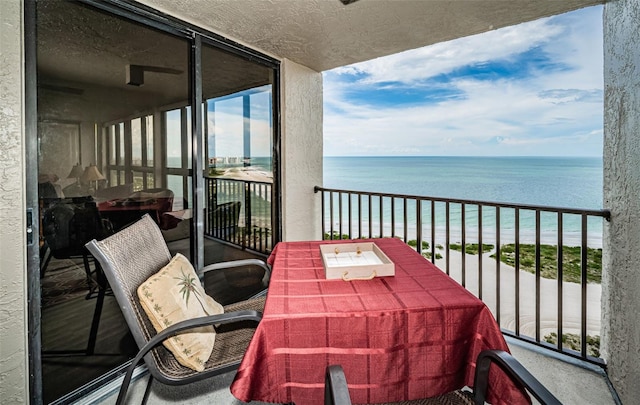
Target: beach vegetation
x: 414, y: 243
x: 471, y: 248
x: 335, y: 236
x: 571, y: 261
x: 427, y: 255
x: 572, y: 341
x: 214, y: 172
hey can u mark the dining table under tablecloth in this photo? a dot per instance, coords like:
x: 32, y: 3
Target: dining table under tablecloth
x: 413, y: 335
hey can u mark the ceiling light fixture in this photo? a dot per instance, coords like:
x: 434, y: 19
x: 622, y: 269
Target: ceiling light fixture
x: 135, y: 73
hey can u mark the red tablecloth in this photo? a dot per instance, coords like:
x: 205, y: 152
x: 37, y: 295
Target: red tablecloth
x: 414, y: 335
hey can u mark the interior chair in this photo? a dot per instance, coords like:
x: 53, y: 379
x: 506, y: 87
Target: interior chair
x: 131, y: 256
x: 67, y: 224
x: 337, y: 392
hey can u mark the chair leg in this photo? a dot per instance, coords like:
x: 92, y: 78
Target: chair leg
x: 92, y: 284
x: 147, y: 391
x: 95, y: 323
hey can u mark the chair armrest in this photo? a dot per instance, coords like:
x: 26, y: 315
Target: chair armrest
x: 336, y: 391
x: 515, y: 370
x: 172, y: 330
x: 239, y: 263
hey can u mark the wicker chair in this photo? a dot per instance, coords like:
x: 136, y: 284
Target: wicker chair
x: 131, y: 256
x: 337, y: 393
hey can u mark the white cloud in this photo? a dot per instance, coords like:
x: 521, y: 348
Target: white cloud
x: 444, y: 57
x: 547, y: 112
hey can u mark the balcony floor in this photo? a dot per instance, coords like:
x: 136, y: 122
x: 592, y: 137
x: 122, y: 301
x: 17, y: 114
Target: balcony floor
x: 571, y: 383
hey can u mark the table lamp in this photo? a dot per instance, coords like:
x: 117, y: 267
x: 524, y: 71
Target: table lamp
x: 91, y: 174
x: 76, y: 172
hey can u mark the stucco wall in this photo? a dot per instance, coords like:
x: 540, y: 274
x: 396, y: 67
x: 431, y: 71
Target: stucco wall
x: 621, y: 253
x: 301, y: 151
x: 13, y: 344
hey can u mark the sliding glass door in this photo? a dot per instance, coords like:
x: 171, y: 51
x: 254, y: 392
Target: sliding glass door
x: 116, y: 141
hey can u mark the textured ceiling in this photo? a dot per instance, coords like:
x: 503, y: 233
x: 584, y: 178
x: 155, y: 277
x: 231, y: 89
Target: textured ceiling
x: 324, y: 34
x: 83, y: 51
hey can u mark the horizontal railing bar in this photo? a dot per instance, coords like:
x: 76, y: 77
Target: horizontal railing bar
x: 568, y: 352
x: 606, y: 214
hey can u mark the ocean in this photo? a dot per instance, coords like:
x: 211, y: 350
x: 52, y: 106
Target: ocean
x: 573, y: 182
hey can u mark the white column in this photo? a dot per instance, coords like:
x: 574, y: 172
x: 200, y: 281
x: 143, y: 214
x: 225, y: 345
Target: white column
x: 621, y: 253
x: 14, y: 388
x: 301, y: 150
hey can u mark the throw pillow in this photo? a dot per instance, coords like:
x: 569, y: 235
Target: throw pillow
x: 175, y: 294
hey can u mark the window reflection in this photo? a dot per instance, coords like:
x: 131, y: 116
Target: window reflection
x: 111, y: 152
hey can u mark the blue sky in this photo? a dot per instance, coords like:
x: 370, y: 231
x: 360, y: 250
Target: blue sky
x: 534, y: 89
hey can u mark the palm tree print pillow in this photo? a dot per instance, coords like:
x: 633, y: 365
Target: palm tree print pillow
x: 175, y: 294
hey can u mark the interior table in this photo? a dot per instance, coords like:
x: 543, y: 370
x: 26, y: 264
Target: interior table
x: 124, y: 212
x: 413, y: 335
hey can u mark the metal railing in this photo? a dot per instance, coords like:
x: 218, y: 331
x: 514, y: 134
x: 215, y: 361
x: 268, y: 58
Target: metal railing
x: 451, y: 232
x: 239, y: 212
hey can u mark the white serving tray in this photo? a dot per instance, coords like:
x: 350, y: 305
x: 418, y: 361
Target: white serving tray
x: 355, y: 261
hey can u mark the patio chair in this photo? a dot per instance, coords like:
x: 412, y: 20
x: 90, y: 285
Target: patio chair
x: 67, y: 224
x: 337, y: 392
x: 130, y: 257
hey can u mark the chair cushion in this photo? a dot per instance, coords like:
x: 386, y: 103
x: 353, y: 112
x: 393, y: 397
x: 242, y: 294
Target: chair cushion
x: 175, y: 294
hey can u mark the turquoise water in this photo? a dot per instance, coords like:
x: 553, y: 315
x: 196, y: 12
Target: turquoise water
x: 549, y: 181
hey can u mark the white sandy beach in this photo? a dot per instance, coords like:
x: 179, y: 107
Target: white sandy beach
x: 247, y: 174
x: 548, y: 296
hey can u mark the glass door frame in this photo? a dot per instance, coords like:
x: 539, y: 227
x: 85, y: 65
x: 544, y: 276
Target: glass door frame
x: 198, y: 37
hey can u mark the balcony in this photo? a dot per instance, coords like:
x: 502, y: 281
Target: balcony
x: 442, y: 230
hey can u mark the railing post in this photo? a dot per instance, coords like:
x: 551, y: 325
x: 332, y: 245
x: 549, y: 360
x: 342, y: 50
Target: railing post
x: 370, y: 214
x: 433, y: 231
x: 517, y: 269
x: 463, y: 222
x: 350, y: 219
x: 340, y: 215
x: 359, y: 216
x: 381, y: 217
x: 584, y: 281
x: 322, y: 210
x: 448, y: 236
x: 498, y: 261
x: 393, y: 217
x: 331, y: 215
x: 247, y: 215
x: 406, y: 237
x: 419, y: 225
x: 560, y: 282
x: 538, y: 275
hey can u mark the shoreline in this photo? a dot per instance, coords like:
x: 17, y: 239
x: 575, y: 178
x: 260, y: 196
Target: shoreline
x: 507, y: 236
